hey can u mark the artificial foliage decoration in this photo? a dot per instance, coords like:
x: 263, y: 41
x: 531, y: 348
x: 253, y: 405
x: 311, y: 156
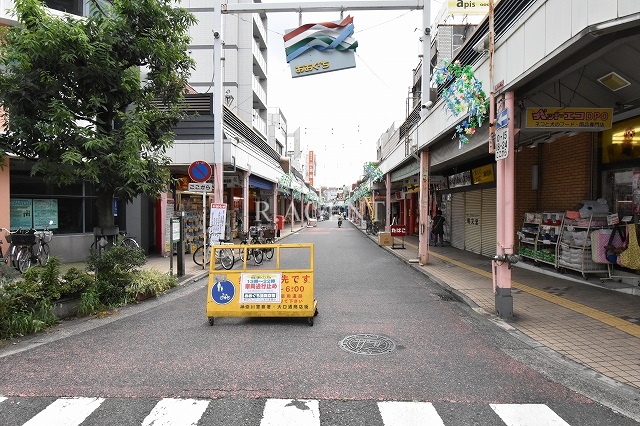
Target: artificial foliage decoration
x: 361, y: 191
x: 284, y: 182
x: 371, y: 169
x: 464, y: 95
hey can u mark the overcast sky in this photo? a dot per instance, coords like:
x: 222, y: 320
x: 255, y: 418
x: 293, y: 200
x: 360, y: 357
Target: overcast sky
x: 342, y: 114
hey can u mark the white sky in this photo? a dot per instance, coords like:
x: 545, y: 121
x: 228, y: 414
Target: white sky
x: 342, y: 114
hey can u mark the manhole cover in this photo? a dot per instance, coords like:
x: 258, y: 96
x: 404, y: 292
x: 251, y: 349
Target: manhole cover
x: 367, y: 344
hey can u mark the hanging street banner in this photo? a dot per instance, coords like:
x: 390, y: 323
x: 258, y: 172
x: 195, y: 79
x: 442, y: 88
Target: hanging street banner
x: 583, y: 119
x: 468, y: 7
x: 321, y: 47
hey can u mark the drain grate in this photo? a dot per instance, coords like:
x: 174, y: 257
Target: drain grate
x: 367, y: 344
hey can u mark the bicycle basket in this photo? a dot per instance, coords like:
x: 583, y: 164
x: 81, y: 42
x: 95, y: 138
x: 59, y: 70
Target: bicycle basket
x: 47, y: 236
x: 269, y: 233
x: 23, y: 239
x: 254, y: 231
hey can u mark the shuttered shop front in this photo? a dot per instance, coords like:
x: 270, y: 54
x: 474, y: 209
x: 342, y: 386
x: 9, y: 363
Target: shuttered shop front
x: 489, y: 222
x: 457, y: 220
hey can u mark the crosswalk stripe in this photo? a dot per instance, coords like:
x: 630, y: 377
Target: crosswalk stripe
x: 65, y: 412
x: 291, y: 412
x: 528, y: 415
x: 2, y: 398
x: 176, y: 412
x: 399, y: 413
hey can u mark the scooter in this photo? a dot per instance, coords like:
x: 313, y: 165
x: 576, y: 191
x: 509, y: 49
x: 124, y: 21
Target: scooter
x: 340, y: 222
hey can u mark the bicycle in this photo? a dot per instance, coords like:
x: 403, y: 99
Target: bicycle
x: 254, y: 253
x: 10, y: 256
x: 32, y: 246
x: 372, y: 227
x: 124, y: 240
x: 202, y: 257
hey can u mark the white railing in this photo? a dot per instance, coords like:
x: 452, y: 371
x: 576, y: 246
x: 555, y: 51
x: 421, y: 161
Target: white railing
x: 259, y: 90
x: 259, y: 55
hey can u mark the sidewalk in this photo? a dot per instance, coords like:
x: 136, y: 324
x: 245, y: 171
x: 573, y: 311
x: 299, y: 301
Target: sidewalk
x: 589, y: 324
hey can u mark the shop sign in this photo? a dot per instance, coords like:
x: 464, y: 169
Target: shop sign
x: 398, y: 230
x: 460, y: 179
x: 582, y: 119
x: 483, y: 174
x: 468, y: 7
x: 313, y: 48
x: 231, y: 181
x: 437, y: 183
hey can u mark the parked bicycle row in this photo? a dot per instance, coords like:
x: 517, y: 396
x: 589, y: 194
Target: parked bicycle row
x: 257, y: 234
x: 26, y: 247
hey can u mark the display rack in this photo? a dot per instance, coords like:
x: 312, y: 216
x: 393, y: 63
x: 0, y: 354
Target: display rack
x: 539, y: 236
x: 574, y: 248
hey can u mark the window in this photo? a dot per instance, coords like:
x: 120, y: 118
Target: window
x: 69, y: 6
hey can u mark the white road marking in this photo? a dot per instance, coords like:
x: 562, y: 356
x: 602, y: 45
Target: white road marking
x: 176, y: 412
x: 397, y: 413
x: 65, y: 412
x: 528, y: 415
x: 291, y: 412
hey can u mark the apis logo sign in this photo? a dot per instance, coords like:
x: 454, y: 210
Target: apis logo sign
x: 468, y: 7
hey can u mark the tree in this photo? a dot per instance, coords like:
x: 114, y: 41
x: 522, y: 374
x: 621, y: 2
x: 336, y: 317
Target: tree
x: 74, y: 102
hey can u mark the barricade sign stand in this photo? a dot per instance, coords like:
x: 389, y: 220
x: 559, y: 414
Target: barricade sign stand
x: 278, y: 287
x: 398, y: 231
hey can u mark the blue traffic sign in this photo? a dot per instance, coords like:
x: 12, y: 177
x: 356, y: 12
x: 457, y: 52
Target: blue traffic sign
x: 502, y: 119
x: 223, y: 292
x: 200, y: 171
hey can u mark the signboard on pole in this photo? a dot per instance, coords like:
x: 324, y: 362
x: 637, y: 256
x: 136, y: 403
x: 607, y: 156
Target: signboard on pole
x: 200, y: 171
x: 200, y: 187
x: 502, y: 143
x: 217, y: 221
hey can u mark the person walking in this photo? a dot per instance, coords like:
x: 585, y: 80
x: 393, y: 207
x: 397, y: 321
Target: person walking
x: 438, y: 228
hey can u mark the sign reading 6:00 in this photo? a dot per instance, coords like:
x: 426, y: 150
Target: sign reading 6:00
x: 294, y: 289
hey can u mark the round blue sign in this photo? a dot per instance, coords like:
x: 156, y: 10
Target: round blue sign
x: 222, y: 292
x: 199, y: 171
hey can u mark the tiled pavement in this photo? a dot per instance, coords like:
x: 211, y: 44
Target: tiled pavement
x: 588, y: 324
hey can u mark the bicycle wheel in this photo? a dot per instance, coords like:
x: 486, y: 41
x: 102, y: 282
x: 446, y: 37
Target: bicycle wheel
x: 242, y: 252
x: 198, y: 256
x: 43, y: 254
x: 226, y: 258
x: 130, y: 242
x: 23, y: 259
x: 268, y: 253
x: 258, y: 255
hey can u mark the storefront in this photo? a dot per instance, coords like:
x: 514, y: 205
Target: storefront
x: 469, y: 208
x: 621, y: 168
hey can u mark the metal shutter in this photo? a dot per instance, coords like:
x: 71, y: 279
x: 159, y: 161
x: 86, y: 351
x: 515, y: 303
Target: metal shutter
x: 457, y: 220
x: 489, y: 222
x: 473, y: 221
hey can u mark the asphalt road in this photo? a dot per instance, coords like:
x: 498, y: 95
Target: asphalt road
x: 434, y: 350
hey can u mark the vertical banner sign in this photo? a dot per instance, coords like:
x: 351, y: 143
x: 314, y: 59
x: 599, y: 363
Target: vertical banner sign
x: 217, y: 221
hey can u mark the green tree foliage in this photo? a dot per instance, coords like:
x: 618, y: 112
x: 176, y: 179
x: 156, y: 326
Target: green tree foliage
x: 74, y: 100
